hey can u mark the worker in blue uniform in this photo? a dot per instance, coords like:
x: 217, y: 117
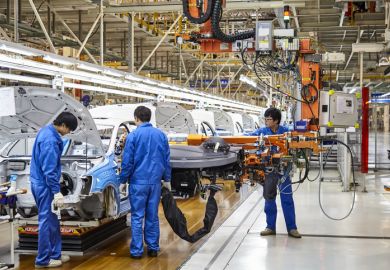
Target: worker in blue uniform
x: 145, y: 163
x: 45, y: 174
x: 272, y: 121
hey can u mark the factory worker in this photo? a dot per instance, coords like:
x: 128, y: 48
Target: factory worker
x: 45, y: 174
x: 145, y: 163
x: 272, y: 121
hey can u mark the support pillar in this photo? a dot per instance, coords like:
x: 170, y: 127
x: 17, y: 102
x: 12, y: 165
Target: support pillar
x: 386, y: 119
x: 365, y: 130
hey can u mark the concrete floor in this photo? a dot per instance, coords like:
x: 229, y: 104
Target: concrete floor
x: 362, y: 241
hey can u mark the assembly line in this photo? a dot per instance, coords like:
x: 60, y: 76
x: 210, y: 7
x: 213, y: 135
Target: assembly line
x: 194, y: 134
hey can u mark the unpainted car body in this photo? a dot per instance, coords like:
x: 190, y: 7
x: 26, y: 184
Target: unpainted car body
x: 90, y: 182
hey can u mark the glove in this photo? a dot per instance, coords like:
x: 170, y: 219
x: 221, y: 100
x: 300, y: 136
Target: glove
x: 58, y: 200
x: 167, y: 185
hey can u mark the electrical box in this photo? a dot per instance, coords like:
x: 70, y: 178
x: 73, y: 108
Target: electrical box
x: 283, y: 33
x: 287, y: 44
x: 264, y: 37
x: 238, y: 45
x: 338, y: 109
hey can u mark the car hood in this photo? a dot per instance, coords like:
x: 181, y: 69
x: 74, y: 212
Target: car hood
x: 36, y: 107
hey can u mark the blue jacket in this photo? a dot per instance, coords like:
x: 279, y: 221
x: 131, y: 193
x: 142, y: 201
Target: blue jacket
x: 146, y: 156
x: 268, y: 131
x: 46, y: 159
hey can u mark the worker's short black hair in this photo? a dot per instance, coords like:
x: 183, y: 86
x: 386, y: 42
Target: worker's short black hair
x: 68, y: 119
x: 274, y: 113
x: 143, y: 113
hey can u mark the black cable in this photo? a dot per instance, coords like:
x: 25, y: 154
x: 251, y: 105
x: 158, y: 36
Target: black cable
x: 288, y: 193
x: 218, y: 33
x: 202, y: 19
x: 326, y: 159
x: 354, y: 183
x: 307, y: 169
x: 305, y: 92
x: 276, y: 89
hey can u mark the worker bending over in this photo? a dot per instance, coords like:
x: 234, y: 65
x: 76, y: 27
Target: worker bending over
x: 145, y: 163
x: 272, y: 126
x: 45, y: 174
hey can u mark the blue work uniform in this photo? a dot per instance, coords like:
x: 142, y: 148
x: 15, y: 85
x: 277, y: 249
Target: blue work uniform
x: 45, y: 174
x: 270, y: 191
x: 145, y: 163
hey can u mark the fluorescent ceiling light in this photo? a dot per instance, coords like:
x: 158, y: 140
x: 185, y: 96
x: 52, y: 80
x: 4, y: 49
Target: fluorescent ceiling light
x: 58, y: 60
x: 353, y: 90
x: 113, y: 73
x: 133, y: 78
x: 93, y: 68
x: 16, y: 50
x: 150, y: 82
x: 248, y: 81
x: 385, y: 95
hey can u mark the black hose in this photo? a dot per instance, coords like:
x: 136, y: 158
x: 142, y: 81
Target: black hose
x: 305, y: 93
x: 218, y: 33
x: 307, y: 169
x: 201, y: 19
x: 354, y: 183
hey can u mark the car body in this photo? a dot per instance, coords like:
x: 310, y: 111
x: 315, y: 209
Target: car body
x: 171, y: 118
x: 237, y: 123
x: 90, y: 181
x: 248, y: 123
x: 204, y: 122
x: 224, y: 125
x: 255, y: 120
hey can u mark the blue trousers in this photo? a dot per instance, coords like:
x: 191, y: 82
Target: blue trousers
x: 286, y: 199
x: 49, y: 235
x: 144, y: 201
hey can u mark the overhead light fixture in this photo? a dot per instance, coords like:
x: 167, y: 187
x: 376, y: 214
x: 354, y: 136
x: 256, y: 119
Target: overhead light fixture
x: 93, y: 68
x: 145, y: 85
x: 113, y: 73
x: 16, y: 50
x: 248, y: 81
x: 150, y: 82
x: 58, y: 60
x: 133, y: 78
x: 353, y: 90
x: 385, y: 95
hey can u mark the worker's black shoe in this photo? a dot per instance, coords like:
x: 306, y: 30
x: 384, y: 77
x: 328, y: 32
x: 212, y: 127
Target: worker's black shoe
x: 267, y: 232
x: 137, y: 257
x: 294, y: 234
x: 152, y: 253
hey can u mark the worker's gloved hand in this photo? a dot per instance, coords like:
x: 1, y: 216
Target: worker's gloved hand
x: 167, y: 185
x: 58, y: 200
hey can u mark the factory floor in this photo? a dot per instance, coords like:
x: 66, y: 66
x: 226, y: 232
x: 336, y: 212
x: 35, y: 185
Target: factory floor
x: 114, y: 254
x: 361, y: 241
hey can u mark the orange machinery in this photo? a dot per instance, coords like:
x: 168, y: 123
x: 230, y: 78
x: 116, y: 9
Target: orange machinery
x: 267, y: 153
x: 207, y: 43
x: 310, y: 73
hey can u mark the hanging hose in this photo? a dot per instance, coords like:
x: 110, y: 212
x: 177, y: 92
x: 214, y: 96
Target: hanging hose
x: 354, y: 183
x: 203, y: 18
x: 218, y: 33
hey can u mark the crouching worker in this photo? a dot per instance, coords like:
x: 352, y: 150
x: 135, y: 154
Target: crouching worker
x: 45, y: 174
x: 272, y: 127
x: 145, y: 162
